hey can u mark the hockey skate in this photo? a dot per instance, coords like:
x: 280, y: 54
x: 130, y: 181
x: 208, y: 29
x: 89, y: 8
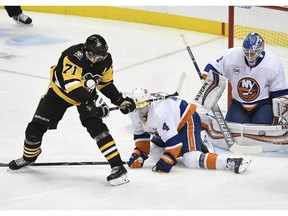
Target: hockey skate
x: 19, y: 163
x: 22, y: 19
x: 237, y: 165
x: 118, y: 176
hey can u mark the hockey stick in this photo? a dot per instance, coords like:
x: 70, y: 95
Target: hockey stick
x: 150, y: 100
x: 65, y: 163
x: 179, y: 87
x: 231, y: 144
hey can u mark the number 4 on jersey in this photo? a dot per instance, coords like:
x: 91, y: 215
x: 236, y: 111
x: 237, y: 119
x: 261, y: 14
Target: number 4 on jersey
x: 165, y: 127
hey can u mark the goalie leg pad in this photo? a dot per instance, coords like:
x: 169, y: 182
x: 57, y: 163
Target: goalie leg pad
x: 211, y: 90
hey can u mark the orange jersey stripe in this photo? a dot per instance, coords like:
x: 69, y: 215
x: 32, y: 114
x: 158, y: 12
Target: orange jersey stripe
x: 143, y: 145
x: 191, y: 136
x: 188, y: 115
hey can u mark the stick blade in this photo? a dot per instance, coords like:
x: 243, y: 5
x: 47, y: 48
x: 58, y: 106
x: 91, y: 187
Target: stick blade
x: 236, y: 148
x: 180, y: 82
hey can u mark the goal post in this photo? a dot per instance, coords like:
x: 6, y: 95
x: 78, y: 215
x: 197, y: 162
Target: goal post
x: 271, y: 22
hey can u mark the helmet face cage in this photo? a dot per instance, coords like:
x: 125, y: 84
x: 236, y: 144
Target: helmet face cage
x: 253, y: 46
x: 96, y: 48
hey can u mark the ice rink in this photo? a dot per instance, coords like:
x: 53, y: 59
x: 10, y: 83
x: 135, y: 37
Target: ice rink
x: 143, y: 55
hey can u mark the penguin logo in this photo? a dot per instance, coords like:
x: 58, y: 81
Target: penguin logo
x: 98, y: 43
x: 248, y: 89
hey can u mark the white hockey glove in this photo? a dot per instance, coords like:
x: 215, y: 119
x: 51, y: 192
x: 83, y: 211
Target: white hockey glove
x: 211, y: 90
x: 102, y: 109
x: 280, y: 108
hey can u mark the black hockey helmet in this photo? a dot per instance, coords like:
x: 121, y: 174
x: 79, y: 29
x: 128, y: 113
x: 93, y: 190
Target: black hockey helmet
x: 96, y: 44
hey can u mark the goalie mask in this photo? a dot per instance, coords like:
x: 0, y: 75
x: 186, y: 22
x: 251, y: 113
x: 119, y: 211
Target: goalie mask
x: 140, y: 95
x: 253, y: 46
x: 96, y: 48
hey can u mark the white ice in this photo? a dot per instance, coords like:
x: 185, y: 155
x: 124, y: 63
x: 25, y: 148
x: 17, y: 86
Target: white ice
x: 144, y: 55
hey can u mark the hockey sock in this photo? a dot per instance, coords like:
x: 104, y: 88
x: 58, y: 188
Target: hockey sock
x: 31, y: 150
x: 108, y: 148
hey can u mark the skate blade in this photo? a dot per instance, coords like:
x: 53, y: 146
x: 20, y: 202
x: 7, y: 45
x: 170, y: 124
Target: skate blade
x: 244, y: 166
x: 119, y: 181
x: 18, y: 170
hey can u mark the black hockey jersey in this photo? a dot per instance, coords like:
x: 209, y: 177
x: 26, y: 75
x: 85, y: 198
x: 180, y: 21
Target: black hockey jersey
x: 75, y: 79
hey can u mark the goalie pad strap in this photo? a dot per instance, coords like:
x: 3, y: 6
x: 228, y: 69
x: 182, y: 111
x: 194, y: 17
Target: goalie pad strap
x: 211, y: 90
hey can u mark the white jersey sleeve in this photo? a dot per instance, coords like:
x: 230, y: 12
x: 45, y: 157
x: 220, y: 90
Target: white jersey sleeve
x: 137, y: 123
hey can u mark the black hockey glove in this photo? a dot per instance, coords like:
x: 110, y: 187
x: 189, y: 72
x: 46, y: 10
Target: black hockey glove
x: 102, y: 109
x: 127, y: 105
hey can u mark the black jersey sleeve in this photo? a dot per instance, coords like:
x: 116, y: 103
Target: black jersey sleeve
x: 111, y: 92
x: 81, y: 95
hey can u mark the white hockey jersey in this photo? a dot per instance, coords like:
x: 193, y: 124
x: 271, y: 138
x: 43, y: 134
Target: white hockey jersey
x: 165, y: 118
x: 250, y: 85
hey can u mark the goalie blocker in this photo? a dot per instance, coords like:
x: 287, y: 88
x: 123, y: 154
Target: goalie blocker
x: 280, y: 108
x: 211, y: 90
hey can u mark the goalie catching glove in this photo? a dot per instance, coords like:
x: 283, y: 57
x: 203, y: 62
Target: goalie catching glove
x: 137, y: 159
x: 165, y: 164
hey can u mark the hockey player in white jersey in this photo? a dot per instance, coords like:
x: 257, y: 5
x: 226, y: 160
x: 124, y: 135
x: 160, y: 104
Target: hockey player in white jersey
x: 257, y: 78
x: 176, y: 124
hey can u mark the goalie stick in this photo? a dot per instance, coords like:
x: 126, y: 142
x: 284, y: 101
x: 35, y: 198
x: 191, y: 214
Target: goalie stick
x: 65, y: 163
x: 232, y: 145
x: 179, y: 87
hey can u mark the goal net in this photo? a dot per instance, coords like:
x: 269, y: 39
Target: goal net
x: 271, y: 22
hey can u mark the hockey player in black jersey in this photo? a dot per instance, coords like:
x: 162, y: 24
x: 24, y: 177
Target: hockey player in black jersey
x: 81, y: 70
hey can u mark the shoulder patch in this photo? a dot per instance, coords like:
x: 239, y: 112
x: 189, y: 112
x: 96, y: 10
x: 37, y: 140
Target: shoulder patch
x: 78, y: 55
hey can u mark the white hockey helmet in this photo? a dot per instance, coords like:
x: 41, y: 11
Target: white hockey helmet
x: 140, y: 95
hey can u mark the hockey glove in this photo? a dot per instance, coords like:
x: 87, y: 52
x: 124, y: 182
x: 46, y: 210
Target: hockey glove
x: 102, y: 109
x: 165, y: 163
x: 126, y: 105
x: 137, y: 159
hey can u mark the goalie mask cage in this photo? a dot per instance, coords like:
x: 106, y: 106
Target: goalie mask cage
x: 271, y: 22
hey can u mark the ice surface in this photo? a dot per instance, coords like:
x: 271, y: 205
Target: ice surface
x: 143, y: 55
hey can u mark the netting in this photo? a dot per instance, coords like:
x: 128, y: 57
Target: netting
x: 270, y: 22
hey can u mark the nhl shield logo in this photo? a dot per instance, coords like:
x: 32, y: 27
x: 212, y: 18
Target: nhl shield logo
x: 236, y: 70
